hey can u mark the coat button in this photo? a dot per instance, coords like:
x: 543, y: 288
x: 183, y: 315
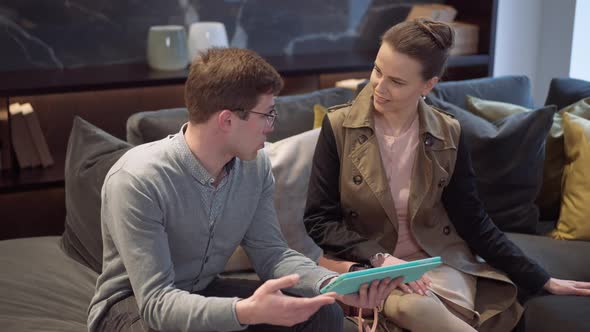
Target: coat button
x: 362, y: 139
x: 354, y: 214
x: 447, y: 230
x: 206, y: 259
x: 357, y: 179
x: 428, y: 140
x: 442, y: 182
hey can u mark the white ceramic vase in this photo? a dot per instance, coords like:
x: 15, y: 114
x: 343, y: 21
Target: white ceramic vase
x: 167, y: 47
x: 204, y: 35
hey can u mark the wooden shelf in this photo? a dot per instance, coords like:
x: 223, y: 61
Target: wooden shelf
x: 27, y: 83
x: 26, y: 179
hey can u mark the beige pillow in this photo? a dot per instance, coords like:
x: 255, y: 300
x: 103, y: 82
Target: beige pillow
x: 291, y: 160
x: 574, y: 219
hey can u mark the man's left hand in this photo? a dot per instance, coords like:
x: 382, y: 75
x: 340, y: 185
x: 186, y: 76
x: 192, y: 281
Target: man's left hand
x: 371, y: 295
x: 567, y: 287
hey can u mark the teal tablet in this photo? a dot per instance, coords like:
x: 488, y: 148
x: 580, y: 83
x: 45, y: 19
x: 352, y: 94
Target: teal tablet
x: 350, y: 282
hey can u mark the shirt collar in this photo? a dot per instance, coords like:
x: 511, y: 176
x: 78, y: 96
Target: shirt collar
x: 192, y: 163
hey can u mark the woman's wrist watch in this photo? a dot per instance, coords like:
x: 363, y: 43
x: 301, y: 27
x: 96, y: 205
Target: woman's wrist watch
x: 358, y: 267
x: 378, y: 258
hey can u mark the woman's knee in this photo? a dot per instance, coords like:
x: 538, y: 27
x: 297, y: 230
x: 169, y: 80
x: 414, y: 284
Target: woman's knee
x: 411, y: 307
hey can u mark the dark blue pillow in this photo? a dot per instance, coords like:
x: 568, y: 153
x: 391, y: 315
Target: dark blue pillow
x: 508, y: 160
x: 508, y: 89
x: 566, y: 91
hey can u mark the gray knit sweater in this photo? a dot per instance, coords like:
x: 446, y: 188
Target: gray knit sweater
x: 168, y: 232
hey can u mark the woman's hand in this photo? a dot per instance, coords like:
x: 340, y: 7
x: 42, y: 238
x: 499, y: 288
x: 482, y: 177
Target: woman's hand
x: 371, y: 295
x: 419, y: 286
x: 567, y: 287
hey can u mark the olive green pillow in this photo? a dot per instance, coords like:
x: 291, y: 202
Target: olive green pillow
x: 574, y: 219
x: 319, y: 112
x: 549, y: 199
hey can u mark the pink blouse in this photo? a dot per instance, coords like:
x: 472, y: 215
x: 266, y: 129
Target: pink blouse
x: 398, y: 154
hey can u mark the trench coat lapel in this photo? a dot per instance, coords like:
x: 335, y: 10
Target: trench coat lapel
x: 365, y: 154
x: 422, y: 173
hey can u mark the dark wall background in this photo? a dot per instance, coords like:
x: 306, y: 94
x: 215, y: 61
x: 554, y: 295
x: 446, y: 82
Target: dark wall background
x: 74, y: 33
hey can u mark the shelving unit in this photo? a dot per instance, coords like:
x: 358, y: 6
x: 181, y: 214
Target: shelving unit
x: 58, y: 95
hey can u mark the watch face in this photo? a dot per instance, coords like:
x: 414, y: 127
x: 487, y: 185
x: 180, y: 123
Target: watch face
x: 357, y: 267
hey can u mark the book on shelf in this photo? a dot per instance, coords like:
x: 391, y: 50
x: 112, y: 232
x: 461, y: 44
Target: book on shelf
x: 436, y: 12
x: 6, y: 151
x: 37, y: 136
x: 22, y: 142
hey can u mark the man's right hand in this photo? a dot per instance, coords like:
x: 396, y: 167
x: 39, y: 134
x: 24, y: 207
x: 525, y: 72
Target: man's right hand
x: 268, y: 305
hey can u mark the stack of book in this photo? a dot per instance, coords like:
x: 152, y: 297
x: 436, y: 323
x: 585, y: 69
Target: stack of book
x: 466, y: 34
x: 433, y: 11
x: 28, y: 141
x: 5, y: 154
x: 466, y: 38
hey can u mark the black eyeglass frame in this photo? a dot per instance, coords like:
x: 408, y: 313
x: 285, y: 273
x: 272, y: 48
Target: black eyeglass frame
x: 271, y: 116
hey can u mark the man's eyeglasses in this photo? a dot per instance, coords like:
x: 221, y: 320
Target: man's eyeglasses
x: 270, y: 116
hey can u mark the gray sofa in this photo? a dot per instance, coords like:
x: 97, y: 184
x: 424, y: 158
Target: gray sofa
x: 47, y: 282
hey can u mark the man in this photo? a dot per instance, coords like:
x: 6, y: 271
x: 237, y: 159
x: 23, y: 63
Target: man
x: 173, y: 212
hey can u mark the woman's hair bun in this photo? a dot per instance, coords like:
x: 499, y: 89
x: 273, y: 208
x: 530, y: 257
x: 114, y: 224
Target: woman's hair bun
x: 440, y: 32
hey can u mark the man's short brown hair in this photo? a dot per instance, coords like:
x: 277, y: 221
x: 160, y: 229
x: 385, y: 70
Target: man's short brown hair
x: 228, y: 78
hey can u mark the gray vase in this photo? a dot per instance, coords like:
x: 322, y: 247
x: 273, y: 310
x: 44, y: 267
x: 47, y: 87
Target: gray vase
x: 167, y: 47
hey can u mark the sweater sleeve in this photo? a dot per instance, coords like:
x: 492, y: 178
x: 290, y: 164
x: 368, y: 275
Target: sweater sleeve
x: 475, y: 226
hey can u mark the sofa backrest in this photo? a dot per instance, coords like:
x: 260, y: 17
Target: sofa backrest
x: 508, y: 89
x: 566, y: 91
x: 295, y: 115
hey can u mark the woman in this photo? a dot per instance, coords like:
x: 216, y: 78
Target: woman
x: 392, y: 181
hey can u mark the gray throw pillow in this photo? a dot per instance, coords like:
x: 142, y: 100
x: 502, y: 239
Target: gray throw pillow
x: 507, y: 157
x: 508, y: 89
x: 291, y: 161
x: 90, y: 154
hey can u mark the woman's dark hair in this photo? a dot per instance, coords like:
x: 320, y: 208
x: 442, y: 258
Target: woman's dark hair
x: 427, y: 41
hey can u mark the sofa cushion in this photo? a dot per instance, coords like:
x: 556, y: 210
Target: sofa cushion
x: 549, y: 313
x: 549, y: 199
x: 508, y: 89
x: 291, y: 160
x: 561, y: 259
x: 295, y: 115
x: 566, y: 91
x: 508, y: 159
x: 42, y: 288
x: 574, y: 219
x: 90, y: 154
